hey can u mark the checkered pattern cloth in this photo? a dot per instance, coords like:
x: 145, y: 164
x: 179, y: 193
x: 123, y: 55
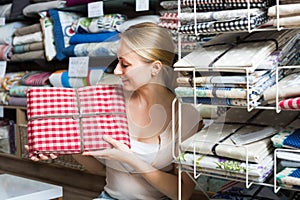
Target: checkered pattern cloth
x: 215, y: 5
x: 69, y: 121
x: 240, y: 24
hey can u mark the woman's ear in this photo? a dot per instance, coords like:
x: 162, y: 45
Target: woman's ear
x: 156, y: 67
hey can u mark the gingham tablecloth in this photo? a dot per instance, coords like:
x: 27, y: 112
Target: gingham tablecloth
x: 69, y: 121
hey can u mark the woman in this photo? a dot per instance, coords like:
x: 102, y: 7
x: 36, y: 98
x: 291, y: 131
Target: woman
x: 146, y: 170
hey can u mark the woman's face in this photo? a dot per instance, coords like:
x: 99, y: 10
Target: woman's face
x: 132, y: 70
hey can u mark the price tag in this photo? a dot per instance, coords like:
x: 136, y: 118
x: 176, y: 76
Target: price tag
x: 142, y: 5
x: 3, y: 65
x: 95, y: 9
x: 2, y: 21
x: 78, y: 66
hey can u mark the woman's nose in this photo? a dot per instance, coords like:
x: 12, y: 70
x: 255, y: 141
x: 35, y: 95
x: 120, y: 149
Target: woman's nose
x: 118, y: 70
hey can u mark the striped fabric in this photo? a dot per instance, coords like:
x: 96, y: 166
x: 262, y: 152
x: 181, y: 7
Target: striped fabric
x: 290, y: 104
x: 68, y: 121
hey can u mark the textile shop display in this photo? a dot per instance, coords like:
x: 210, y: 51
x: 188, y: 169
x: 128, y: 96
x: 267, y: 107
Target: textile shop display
x: 216, y: 138
x: 68, y: 121
x: 227, y: 167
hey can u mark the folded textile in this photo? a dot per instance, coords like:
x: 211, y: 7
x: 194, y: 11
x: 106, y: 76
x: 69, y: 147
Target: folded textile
x: 185, y: 17
x: 214, y: 140
x: 32, y: 10
x: 19, y: 90
x: 22, y: 48
x: 7, y: 31
x: 285, y: 155
x: 284, y: 136
x: 68, y: 121
x: 229, y: 4
x: 238, y: 24
x: 29, y: 38
x: 289, y: 176
x: 105, y: 23
x: 60, y: 78
x: 35, y: 78
x: 48, y: 37
x: 227, y: 167
x: 30, y: 55
x: 94, y: 37
x: 287, y: 87
x: 92, y: 49
x: 62, y: 21
x: 17, y: 101
x: 290, y: 104
x: 33, y: 28
x: 284, y: 10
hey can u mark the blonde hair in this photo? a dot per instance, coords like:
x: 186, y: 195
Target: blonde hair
x: 151, y: 42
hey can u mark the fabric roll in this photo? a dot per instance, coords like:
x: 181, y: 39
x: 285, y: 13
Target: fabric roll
x: 78, y: 2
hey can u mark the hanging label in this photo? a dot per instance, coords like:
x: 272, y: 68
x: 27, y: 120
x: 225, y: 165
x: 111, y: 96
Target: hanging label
x: 95, y: 9
x: 3, y: 65
x: 2, y: 21
x: 142, y: 5
x: 78, y: 66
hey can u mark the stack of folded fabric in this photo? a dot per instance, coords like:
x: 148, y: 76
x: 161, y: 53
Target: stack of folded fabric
x: 216, y: 16
x: 224, y: 147
x: 70, y: 121
x: 95, y: 36
x: 18, y: 92
x: 242, y: 81
x: 28, y: 43
x: 6, y: 39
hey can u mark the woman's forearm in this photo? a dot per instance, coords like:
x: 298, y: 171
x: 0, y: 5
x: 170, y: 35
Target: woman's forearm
x: 166, y: 183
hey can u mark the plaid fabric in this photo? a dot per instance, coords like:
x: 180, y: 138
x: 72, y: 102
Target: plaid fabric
x: 224, y: 26
x: 68, y: 121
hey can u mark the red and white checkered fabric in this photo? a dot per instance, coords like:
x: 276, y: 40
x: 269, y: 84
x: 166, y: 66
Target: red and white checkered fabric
x: 69, y: 121
x: 290, y: 104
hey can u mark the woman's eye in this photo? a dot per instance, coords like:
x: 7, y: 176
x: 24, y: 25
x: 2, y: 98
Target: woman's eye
x: 124, y: 65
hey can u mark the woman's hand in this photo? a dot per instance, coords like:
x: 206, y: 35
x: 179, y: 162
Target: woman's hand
x: 40, y: 156
x: 120, y: 152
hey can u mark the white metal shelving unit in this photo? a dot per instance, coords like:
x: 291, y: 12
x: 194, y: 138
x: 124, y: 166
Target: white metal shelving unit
x: 249, y: 107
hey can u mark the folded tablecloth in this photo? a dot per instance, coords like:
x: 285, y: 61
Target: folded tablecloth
x: 68, y: 121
